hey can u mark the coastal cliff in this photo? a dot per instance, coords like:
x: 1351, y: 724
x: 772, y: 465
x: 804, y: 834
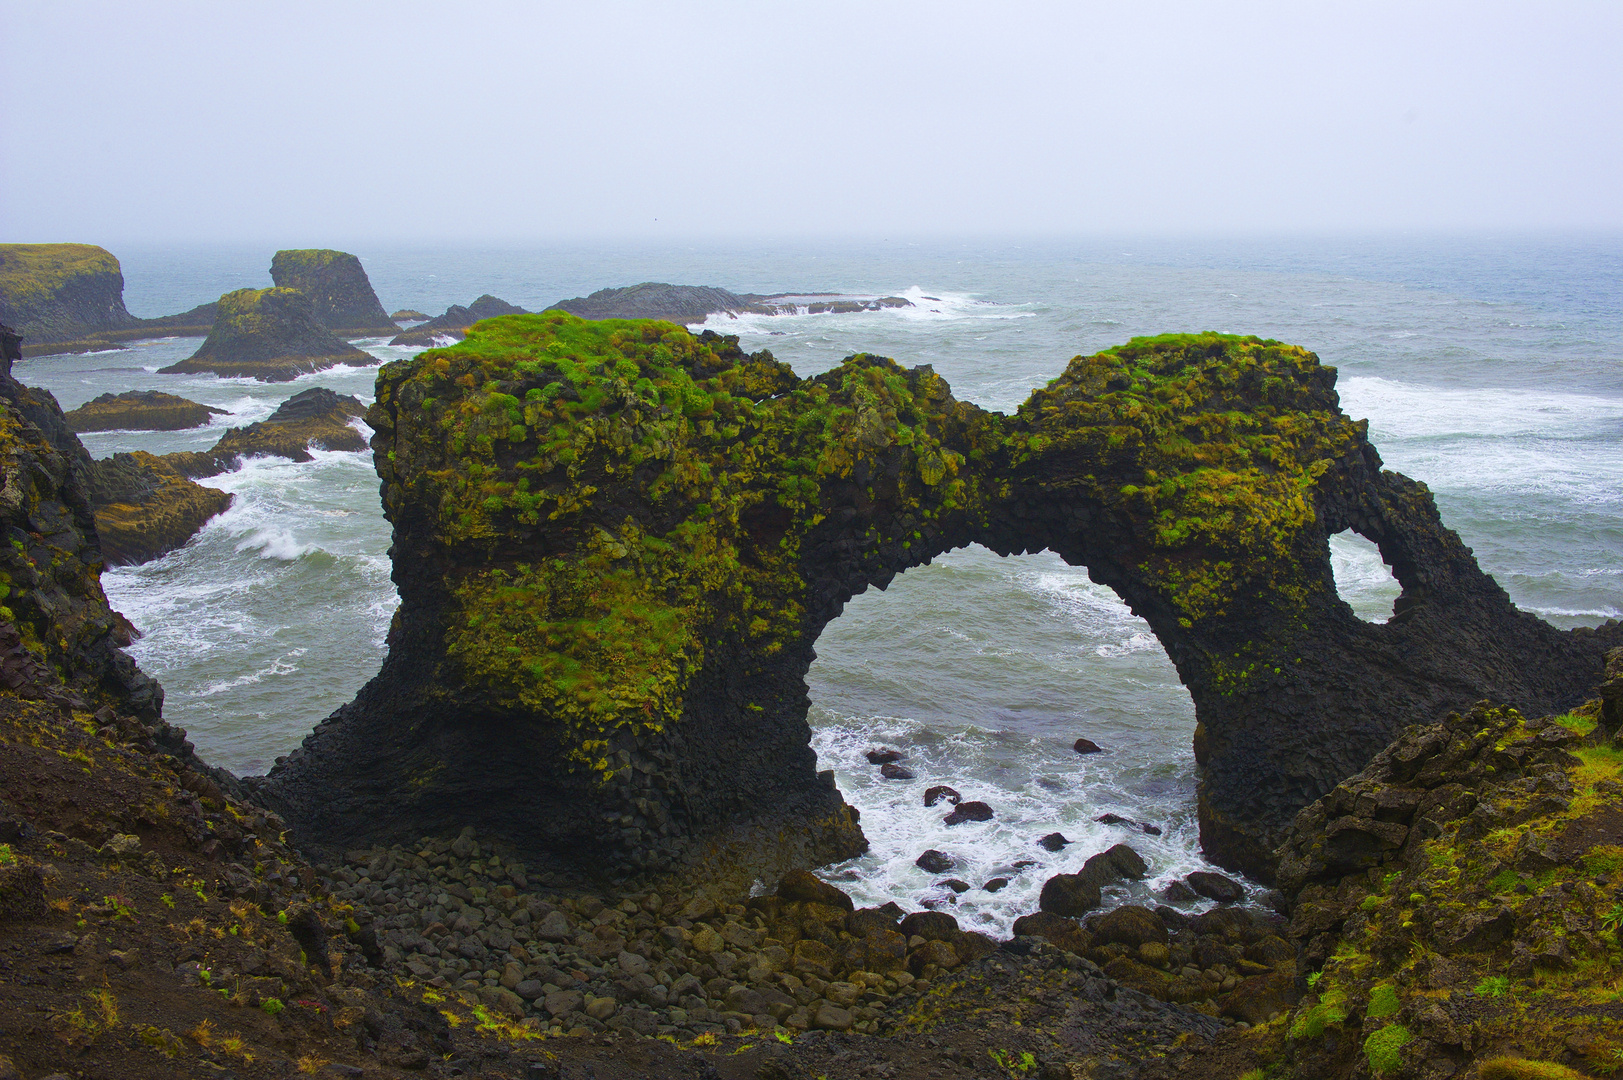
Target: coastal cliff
x: 66, y: 294
x: 269, y: 334
x: 616, y: 543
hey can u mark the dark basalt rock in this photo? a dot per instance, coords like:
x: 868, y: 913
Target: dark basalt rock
x: 1054, y: 842
x: 941, y: 791
x: 706, y: 513
x: 895, y: 772
x: 935, y: 862
x: 145, y: 508
x: 140, y: 410
x: 269, y: 334
x: 1068, y: 894
x: 316, y: 418
x: 61, y: 293
x: 1141, y: 826
x: 340, y: 293
x: 455, y: 322
x: 883, y: 756
x: 695, y: 303
x: 52, y: 565
x: 969, y: 811
x: 1216, y: 887
x: 1087, y: 746
x: 1129, y: 924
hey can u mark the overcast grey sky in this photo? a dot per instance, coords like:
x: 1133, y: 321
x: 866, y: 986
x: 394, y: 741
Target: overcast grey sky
x: 338, y: 122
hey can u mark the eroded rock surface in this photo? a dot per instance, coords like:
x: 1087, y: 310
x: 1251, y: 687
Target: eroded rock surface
x: 316, y: 418
x: 616, y: 543
x: 455, y: 322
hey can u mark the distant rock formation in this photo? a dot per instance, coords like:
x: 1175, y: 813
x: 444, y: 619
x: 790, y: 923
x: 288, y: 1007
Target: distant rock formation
x: 455, y: 322
x: 340, y: 293
x: 317, y: 418
x: 67, y: 294
x: 695, y: 303
x: 408, y: 315
x: 140, y: 410
x: 269, y: 334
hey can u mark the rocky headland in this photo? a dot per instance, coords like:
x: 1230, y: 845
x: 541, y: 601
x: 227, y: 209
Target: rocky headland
x: 340, y: 293
x: 456, y: 320
x: 1455, y: 909
x: 71, y: 295
x: 695, y: 303
x: 616, y: 542
x: 140, y: 410
x: 268, y: 334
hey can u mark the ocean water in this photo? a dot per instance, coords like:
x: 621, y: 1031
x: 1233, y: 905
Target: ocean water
x: 1492, y: 369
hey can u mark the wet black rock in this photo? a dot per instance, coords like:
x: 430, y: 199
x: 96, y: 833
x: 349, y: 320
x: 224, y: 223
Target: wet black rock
x: 883, y: 756
x: 895, y: 772
x: 939, y: 792
x: 1053, y: 842
x: 935, y: 862
x: 1179, y: 892
x: 969, y: 811
x: 1068, y: 894
x: 1141, y: 826
x: 954, y: 884
x: 1216, y: 887
x: 1087, y: 746
x: 995, y: 884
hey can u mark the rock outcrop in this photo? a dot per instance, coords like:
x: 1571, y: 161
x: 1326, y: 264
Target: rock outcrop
x: 340, y: 293
x: 140, y: 410
x: 62, y: 297
x: 616, y: 544
x: 695, y: 303
x: 268, y: 334
x: 455, y: 322
x: 145, y: 508
x: 316, y: 418
x: 50, y: 567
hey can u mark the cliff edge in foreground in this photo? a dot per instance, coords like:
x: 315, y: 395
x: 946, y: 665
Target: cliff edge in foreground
x: 616, y: 543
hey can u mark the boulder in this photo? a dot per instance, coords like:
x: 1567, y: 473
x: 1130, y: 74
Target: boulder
x: 1056, y: 930
x: 1128, y: 863
x: 969, y: 811
x: 805, y: 886
x: 1087, y: 746
x: 1129, y: 925
x: 935, y: 862
x: 1179, y: 892
x: 895, y: 772
x: 1069, y: 894
x: 1117, y: 819
x: 954, y: 884
x: 1215, y: 887
x: 340, y: 294
x: 1053, y: 842
x: 140, y: 410
x: 995, y: 884
x: 941, y: 791
x: 883, y: 756
x: 268, y: 334
x: 931, y: 926
x: 1259, y: 997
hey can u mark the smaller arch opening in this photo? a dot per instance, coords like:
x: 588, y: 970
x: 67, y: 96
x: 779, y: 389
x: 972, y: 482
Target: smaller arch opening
x: 1363, y: 579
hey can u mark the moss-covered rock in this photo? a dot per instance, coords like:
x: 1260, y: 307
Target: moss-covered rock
x: 316, y: 418
x: 456, y: 320
x: 145, y: 508
x: 269, y: 334
x: 55, y: 293
x: 616, y: 543
x: 140, y: 410
x: 50, y: 561
x: 340, y: 293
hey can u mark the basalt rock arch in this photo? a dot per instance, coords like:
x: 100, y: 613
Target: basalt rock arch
x: 616, y: 543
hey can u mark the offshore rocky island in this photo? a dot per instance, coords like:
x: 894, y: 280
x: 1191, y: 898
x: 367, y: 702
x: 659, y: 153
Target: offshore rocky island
x: 527, y: 847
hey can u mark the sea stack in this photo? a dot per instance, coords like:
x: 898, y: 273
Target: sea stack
x: 340, y: 293
x: 268, y: 334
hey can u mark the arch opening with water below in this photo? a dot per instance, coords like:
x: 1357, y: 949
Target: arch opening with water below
x: 1363, y: 578
x: 984, y: 670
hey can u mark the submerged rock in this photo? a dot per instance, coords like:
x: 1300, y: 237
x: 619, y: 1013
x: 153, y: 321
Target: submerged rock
x: 1053, y: 842
x: 883, y: 756
x: 268, y: 334
x: 935, y: 862
x: 140, y: 410
x: 968, y: 811
x: 1087, y: 746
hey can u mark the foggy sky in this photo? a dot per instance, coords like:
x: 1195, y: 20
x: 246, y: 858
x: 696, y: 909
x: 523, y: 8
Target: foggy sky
x: 330, y: 123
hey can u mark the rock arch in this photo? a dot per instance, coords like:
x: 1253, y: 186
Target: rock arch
x: 615, y: 544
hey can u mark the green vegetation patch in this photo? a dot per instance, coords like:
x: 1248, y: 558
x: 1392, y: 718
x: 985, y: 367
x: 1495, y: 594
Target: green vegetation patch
x: 29, y: 272
x: 674, y: 477
x: 1223, y: 439
x: 1381, y: 1048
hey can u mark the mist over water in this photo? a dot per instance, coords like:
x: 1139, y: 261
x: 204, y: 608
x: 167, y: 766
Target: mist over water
x: 1493, y: 372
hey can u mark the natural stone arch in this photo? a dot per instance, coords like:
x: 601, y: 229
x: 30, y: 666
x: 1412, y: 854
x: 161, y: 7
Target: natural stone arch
x: 616, y: 543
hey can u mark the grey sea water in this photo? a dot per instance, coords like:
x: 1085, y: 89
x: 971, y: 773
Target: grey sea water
x: 1492, y: 369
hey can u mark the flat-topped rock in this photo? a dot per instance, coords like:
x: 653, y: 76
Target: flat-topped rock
x: 140, y: 410
x: 340, y: 293
x: 268, y: 334
x: 62, y: 295
x: 695, y: 303
x: 455, y: 322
